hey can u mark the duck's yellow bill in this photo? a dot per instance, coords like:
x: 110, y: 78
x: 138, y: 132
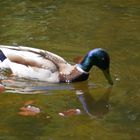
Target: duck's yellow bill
x: 108, y: 76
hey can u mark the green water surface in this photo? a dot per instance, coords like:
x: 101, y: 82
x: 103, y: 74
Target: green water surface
x: 71, y: 28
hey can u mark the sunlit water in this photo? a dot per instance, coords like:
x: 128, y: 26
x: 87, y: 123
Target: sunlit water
x: 69, y: 29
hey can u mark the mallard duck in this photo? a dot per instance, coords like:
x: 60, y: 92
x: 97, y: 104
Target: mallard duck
x: 43, y: 65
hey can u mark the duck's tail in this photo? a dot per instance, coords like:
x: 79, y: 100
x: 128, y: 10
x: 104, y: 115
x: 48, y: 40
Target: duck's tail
x: 4, y: 62
x: 2, y: 56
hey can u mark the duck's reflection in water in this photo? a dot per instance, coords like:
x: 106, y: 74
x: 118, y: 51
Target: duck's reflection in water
x: 93, y: 107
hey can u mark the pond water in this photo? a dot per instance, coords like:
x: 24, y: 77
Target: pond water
x: 71, y: 28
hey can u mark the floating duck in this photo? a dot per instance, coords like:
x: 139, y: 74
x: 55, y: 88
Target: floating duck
x: 33, y: 63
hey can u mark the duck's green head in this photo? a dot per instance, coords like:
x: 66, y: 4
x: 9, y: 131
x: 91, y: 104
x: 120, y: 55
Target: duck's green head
x: 99, y: 58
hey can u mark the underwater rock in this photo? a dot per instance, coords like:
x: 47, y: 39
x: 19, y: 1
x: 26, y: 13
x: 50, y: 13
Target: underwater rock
x: 70, y: 112
x: 29, y: 110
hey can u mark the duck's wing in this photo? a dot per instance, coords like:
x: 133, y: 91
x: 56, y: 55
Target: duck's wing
x: 35, y: 58
x: 63, y: 66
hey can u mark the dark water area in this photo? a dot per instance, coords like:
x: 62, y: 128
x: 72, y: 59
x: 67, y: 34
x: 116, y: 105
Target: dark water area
x: 71, y: 28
